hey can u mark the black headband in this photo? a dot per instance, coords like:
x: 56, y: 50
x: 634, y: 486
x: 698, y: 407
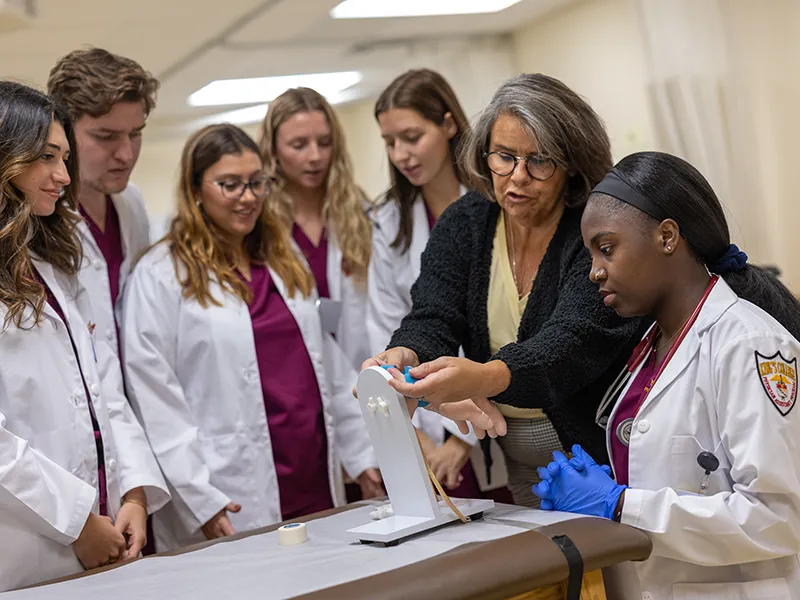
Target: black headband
x: 615, y: 186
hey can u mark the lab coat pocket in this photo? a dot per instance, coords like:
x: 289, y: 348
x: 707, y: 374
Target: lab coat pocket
x: 768, y: 589
x: 687, y: 475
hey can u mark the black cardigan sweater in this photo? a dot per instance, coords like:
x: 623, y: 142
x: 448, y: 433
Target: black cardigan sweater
x: 570, y: 347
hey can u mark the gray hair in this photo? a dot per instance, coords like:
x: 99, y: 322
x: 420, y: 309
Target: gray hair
x: 562, y: 124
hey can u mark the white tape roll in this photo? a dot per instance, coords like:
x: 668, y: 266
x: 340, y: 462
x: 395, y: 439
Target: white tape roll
x: 292, y: 534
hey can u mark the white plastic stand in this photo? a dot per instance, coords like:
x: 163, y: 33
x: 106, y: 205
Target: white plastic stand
x: 402, y: 467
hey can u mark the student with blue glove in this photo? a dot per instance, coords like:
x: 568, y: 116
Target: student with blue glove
x: 703, y: 439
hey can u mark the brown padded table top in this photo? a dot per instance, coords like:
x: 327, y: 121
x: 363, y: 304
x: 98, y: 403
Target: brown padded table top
x: 501, y: 568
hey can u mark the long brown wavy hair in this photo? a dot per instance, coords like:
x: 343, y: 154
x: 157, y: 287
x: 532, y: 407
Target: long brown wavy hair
x: 429, y: 94
x: 344, y: 206
x: 25, y: 118
x: 192, y: 237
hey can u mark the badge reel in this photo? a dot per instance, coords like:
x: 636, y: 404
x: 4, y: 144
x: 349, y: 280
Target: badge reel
x: 709, y: 463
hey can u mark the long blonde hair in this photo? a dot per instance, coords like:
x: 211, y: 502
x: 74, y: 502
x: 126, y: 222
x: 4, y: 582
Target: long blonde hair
x: 192, y: 237
x: 343, y: 209
x: 25, y: 119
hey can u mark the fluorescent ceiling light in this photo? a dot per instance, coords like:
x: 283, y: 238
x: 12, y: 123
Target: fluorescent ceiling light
x: 372, y: 9
x: 264, y: 89
x: 240, y: 116
x: 251, y: 114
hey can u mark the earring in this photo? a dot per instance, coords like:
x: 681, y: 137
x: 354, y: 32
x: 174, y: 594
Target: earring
x: 669, y: 248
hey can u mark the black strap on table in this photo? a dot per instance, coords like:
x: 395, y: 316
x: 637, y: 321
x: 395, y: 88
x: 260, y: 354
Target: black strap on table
x: 575, y: 563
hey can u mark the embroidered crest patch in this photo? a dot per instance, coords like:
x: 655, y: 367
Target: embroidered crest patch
x: 779, y: 380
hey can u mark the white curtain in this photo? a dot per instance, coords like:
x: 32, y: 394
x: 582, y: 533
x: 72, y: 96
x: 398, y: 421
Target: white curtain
x: 718, y: 100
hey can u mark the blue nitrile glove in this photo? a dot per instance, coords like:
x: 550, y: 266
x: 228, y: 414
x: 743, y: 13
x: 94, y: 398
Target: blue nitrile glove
x: 409, y: 379
x: 588, y: 491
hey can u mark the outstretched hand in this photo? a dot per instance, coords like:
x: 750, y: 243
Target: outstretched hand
x: 482, y: 413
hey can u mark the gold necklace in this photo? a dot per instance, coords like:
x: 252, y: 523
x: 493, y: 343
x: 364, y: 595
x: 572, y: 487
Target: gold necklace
x: 514, y: 260
x: 672, y: 337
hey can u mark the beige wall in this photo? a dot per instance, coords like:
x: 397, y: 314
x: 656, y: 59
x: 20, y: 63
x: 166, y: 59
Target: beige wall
x: 365, y: 146
x: 595, y: 48
x: 578, y: 45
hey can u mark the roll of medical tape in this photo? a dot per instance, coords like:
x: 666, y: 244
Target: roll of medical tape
x: 292, y: 534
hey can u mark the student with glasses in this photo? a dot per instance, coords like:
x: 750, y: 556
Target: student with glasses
x: 505, y: 276
x: 245, y: 399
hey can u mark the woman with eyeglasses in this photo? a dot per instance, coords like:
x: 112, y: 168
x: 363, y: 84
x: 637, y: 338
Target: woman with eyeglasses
x: 505, y: 276
x: 245, y: 400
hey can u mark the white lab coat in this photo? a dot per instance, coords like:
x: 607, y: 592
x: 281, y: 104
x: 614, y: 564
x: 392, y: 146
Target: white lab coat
x: 193, y: 377
x: 135, y: 230
x: 741, y: 539
x: 351, y: 335
x: 48, y: 475
x: 93, y: 277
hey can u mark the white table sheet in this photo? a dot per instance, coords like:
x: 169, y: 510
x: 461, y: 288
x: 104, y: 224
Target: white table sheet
x: 259, y: 568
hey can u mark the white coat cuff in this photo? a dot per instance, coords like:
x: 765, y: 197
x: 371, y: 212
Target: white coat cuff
x: 469, y: 438
x: 154, y: 490
x: 365, y: 460
x: 84, y: 503
x: 632, y: 506
x: 210, y: 508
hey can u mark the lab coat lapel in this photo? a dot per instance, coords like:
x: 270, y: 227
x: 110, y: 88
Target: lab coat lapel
x: 719, y: 300
x: 87, y: 239
x: 419, y: 234
x: 124, y: 216
x: 333, y: 268
x: 421, y: 231
x: 47, y: 273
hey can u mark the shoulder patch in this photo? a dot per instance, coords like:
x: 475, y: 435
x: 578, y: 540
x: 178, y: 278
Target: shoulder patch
x: 779, y: 380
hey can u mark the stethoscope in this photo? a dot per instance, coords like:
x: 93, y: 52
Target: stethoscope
x: 706, y: 460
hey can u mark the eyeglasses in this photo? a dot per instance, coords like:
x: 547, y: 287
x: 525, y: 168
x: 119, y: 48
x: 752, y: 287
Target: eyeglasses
x: 503, y: 163
x: 233, y: 189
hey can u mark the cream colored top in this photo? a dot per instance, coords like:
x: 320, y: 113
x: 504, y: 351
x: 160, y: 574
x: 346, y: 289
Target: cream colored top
x: 505, y: 309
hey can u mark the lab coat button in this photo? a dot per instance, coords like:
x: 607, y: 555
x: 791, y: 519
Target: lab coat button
x: 98, y: 266
x: 647, y: 596
x: 110, y: 335
x: 643, y: 426
x: 95, y: 389
x: 112, y: 463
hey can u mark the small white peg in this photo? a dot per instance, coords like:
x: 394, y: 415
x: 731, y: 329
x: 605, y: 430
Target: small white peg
x: 383, y: 406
